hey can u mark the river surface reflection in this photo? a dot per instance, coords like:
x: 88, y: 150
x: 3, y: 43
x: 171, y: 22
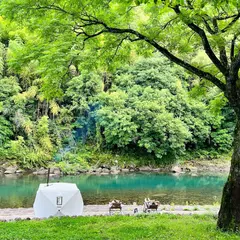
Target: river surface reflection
x: 19, y: 191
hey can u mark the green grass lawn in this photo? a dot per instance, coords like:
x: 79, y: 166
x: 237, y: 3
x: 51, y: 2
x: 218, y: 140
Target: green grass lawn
x: 117, y: 227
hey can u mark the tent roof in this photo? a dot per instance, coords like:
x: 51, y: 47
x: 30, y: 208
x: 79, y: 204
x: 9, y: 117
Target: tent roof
x: 68, y: 187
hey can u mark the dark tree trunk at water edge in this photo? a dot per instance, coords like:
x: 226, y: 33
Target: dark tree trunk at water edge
x: 229, y: 214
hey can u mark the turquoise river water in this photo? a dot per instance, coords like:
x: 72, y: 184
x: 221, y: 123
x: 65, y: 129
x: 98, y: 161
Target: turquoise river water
x: 19, y: 191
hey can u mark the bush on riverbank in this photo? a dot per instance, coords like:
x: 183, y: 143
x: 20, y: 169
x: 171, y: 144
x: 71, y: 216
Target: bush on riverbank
x: 117, y: 227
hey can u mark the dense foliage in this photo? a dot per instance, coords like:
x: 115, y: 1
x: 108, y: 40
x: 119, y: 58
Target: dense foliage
x: 148, y: 106
x: 55, y: 103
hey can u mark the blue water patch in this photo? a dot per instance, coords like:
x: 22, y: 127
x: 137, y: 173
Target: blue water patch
x: 20, y: 191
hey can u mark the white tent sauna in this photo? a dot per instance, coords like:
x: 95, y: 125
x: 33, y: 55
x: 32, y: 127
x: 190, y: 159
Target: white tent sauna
x: 58, y: 199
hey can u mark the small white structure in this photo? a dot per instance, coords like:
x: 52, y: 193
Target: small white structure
x: 58, y: 199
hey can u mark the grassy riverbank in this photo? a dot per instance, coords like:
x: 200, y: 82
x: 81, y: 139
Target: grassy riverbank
x: 116, y: 227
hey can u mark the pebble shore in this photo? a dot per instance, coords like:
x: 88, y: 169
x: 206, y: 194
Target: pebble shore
x: 10, y: 214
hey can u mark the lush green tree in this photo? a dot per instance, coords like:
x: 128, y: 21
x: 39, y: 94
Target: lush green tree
x: 5, y: 131
x: 9, y: 88
x: 24, y: 127
x: 80, y: 94
x: 36, y: 150
x: 180, y: 30
x: 81, y: 90
x: 147, y: 106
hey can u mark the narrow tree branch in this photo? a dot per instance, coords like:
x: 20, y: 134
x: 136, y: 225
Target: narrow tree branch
x: 223, y: 56
x: 210, y: 30
x: 225, y: 18
x: 133, y: 39
x: 215, y: 29
x: 236, y: 65
x: 168, y: 23
x: 215, y: 25
x: 189, y: 3
x: 233, y: 48
x: 118, y: 46
x: 88, y: 36
x: 205, y: 42
x: 51, y: 7
x: 231, y: 23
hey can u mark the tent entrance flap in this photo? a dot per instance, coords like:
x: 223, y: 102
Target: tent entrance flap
x: 58, y: 199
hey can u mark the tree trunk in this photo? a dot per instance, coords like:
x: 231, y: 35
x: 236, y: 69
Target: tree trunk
x: 107, y: 82
x: 229, y: 214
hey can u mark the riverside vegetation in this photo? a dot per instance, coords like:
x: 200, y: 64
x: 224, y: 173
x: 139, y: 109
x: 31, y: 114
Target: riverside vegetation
x: 146, y: 113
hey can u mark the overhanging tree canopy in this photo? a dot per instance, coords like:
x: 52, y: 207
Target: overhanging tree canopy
x: 201, y: 36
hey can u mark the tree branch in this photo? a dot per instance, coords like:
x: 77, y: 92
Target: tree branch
x: 223, y: 56
x: 189, y: 3
x: 118, y: 46
x: 233, y: 48
x: 210, y: 30
x: 189, y: 67
x: 205, y: 42
x: 225, y: 18
x: 164, y: 51
x: 215, y: 25
x: 88, y: 36
x: 168, y: 23
x: 51, y: 7
x: 231, y: 23
x: 236, y: 65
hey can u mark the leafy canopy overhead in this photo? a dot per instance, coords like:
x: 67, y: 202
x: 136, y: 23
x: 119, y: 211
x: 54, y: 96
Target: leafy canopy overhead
x: 201, y: 36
